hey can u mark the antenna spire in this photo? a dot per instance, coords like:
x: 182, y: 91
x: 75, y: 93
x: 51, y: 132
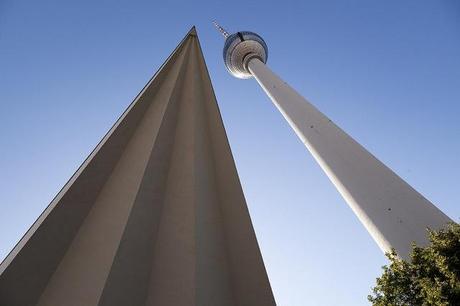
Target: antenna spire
x: 221, y: 29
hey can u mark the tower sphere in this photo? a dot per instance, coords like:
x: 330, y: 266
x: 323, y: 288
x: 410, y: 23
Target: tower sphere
x: 239, y: 49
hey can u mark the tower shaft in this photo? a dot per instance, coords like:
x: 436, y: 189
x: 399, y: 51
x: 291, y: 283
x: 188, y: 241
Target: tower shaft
x: 154, y: 216
x: 393, y: 212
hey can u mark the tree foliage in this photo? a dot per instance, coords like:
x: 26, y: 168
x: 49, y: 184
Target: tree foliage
x: 431, y: 277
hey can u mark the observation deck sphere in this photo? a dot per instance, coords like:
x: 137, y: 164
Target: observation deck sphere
x: 239, y: 49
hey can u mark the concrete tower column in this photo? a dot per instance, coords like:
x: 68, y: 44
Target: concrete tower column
x: 393, y: 212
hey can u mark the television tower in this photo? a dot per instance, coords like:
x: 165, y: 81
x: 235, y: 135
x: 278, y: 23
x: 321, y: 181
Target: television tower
x: 393, y: 212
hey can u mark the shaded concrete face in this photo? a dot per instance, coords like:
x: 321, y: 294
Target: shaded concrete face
x: 155, y: 215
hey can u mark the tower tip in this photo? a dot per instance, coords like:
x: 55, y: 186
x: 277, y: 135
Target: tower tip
x: 192, y: 31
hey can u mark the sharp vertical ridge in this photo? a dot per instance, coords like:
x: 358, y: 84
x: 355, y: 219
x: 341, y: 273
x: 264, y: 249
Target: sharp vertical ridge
x: 133, y: 262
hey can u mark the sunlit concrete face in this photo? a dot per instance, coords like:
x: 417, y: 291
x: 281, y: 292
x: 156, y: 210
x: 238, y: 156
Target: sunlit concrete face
x: 392, y: 211
x: 154, y: 216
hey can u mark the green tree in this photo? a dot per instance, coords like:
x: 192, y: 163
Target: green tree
x: 431, y: 277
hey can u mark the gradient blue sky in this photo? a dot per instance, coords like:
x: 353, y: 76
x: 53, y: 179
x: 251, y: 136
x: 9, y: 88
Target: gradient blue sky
x: 387, y: 72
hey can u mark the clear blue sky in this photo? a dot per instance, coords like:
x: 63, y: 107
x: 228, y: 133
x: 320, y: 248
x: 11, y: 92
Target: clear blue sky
x: 388, y: 72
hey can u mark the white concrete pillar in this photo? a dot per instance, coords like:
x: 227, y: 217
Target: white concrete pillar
x: 393, y: 212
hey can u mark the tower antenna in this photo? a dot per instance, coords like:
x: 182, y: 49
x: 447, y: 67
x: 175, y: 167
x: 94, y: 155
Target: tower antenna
x: 221, y: 29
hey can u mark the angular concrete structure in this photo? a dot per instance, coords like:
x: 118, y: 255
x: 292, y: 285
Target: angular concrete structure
x: 154, y: 216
